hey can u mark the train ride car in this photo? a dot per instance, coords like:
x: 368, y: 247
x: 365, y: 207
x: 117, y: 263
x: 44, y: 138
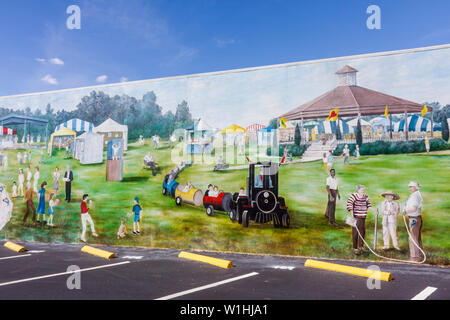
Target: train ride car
x: 193, y: 196
x: 169, y: 187
x: 262, y: 203
x: 222, y: 203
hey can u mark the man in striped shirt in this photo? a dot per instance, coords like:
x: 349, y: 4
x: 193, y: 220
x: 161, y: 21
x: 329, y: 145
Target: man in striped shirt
x: 358, y: 204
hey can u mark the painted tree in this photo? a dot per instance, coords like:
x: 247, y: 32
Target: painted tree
x: 297, y: 135
x: 274, y: 123
x: 338, y: 131
x: 445, y: 130
x: 441, y: 116
x: 143, y: 117
x: 359, y: 138
x: 183, y: 117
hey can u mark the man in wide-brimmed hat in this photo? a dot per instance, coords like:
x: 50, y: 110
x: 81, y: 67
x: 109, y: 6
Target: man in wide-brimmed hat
x: 413, y: 209
x: 390, y: 209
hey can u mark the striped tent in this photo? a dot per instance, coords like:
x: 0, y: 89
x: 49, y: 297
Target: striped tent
x: 4, y: 131
x: 255, y: 127
x: 76, y: 125
x: 416, y: 124
x: 330, y: 127
x: 252, y: 132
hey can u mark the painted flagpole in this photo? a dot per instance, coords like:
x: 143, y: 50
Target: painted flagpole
x: 432, y: 125
x: 390, y: 126
x: 376, y: 232
x: 406, y: 125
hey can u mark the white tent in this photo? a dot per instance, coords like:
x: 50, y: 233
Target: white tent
x: 354, y: 123
x: 267, y: 136
x: 113, y: 130
x: 89, y: 148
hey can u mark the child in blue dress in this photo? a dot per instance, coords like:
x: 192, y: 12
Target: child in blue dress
x: 137, y: 208
x: 41, y: 206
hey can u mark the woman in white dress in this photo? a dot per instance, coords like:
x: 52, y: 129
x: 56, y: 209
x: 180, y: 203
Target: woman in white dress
x: 29, y: 175
x: 21, y: 181
x: 36, y: 179
x: 56, y: 176
x: 14, y: 190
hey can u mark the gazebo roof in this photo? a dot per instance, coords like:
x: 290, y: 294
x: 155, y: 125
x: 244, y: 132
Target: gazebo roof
x: 351, y: 101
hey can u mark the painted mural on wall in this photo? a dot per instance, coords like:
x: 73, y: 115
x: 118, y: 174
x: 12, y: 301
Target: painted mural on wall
x: 297, y: 159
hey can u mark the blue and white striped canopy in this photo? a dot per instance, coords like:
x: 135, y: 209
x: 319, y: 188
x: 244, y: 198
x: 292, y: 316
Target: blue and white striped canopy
x: 330, y: 127
x: 416, y: 124
x: 77, y: 125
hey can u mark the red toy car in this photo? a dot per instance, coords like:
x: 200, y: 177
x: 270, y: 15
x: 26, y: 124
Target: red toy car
x: 221, y: 203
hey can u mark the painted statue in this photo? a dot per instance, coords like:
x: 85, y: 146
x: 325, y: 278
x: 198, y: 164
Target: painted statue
x: 6, y: 206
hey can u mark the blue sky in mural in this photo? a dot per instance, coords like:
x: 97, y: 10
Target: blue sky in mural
x: 142, y: 39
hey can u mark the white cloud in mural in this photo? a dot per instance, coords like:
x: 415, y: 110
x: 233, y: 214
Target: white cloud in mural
x: 49, y: 79
x: 57, y: 61
x: 101, y: 78
x: 41, y: 60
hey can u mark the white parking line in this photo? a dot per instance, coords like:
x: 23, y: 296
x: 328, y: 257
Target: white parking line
x: 215, y: 284
x: 62, y: 273
x: 12, y: 257
x: 133, y: 257
x: 290, y: 268
x: 424, y: 293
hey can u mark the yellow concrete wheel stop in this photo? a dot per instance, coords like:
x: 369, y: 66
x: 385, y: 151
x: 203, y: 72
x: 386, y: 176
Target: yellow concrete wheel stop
x: 15, y: 247
x: 98, y: 252
x: 368, y: 273
x: 214, y: 261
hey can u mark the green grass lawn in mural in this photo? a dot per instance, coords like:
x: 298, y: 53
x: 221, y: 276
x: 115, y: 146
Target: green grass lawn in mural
x: 302, y: 184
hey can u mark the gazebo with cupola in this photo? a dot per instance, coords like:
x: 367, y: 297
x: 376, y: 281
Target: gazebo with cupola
x: 353, y: 100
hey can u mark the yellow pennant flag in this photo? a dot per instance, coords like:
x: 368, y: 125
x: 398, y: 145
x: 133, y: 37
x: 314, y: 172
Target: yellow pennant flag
x: 386, y: 113
x: 424, y: 110
x: 333, y: 115
x: 283, y: 122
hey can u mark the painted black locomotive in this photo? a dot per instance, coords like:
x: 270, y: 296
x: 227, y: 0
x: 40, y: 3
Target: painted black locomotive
x: 262, y: 204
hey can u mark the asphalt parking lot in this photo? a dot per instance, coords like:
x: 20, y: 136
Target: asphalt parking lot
x: 148, y: 274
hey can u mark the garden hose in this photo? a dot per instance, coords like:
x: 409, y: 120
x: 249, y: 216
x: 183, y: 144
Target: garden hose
x: 352, y: 223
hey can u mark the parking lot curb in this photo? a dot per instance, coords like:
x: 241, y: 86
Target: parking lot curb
x: 214, y: 261
x: 15, y: 247
x: 98, y: 252
x: 368, y: 273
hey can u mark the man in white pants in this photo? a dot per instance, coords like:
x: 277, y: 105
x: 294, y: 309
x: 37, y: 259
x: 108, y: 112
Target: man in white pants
x: 390, y: 210
x: 413, y: 209
x: 86, y: 217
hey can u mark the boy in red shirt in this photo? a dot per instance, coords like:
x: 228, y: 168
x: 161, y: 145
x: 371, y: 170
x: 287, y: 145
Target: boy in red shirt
x: 86, y: 217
